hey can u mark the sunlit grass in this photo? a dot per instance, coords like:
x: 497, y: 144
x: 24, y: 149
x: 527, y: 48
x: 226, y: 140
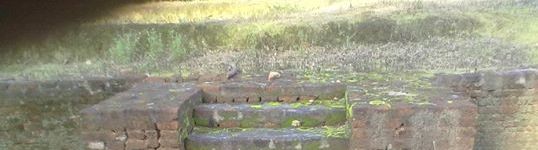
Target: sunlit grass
x: 519, y: 25
x: 199, y: 11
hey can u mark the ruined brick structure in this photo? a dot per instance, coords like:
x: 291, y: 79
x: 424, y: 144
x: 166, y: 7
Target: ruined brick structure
x: 82, y: 91
x: 236, y: 115
x: 149, y: 116
x: 486, y: 110
x: 446, y: 123
x: 507, y: 106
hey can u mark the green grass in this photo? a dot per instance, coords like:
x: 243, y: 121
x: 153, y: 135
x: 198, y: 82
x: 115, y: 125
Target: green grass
x: 518, y: 25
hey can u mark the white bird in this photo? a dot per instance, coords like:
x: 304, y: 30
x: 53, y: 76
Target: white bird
x: 273, y: 75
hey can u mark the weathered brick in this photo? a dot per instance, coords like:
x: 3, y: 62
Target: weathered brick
x: 169, y: 142
x: 115, y: 144
x: 410, y: 126
x: 288, y: 99
x: 152, y: 134
x: 136, y: 134
x: 96, y: 136
x: 152, y: 143
x: 141, y: 107
x: 168, y: 148
x: 172, y: 125
x: 170, y: 134
x: 133, y: 144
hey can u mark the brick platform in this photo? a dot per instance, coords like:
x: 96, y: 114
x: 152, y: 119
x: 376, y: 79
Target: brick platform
x: 160, y: 116
x: 148, y: 116
x: 507, y: 106
x: 446, y: 123
x: 257, y: 91
x: 80, y: 91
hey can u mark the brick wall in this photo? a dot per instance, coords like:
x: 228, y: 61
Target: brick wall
x: 507, y: 106
x: 443, y: 124
x: 83, y: 91
x: 148, y: 116
x: 262, y: 91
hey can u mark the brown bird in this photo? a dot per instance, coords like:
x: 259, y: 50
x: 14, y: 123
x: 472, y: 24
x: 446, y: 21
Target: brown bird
x: 233, y: 71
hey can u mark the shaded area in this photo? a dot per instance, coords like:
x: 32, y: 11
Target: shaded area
x: 32, y: 19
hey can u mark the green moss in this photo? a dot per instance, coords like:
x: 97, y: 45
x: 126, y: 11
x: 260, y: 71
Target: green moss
x: 339, y: 132
x: 349, y: 106
x: 201, y: 121
x: 305, y: 122
x: 335, y: 118
x: 297, y: 105
x: 250, y: 121
x: 229, y: 115
x: 257, y: 106
x: 377, y: 102
x: 312, y: 145
x: 343, y: 131
x: 350, y: 110
x: 186, y: 127
x: 334, y: 104
x: 274, y: 103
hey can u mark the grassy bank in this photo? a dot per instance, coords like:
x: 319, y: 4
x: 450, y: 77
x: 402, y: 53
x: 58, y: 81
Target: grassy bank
x: 180, y: 37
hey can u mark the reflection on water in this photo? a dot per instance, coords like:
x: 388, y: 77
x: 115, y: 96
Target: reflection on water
x: 40, y: 126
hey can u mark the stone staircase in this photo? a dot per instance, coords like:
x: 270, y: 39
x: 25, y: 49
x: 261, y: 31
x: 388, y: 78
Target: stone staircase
x: 287, y: 121
x: 284, y: 114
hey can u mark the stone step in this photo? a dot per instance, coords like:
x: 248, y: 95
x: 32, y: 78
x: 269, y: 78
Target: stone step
x: 281, y: 90
x: 336, y: 138
x: 271, y: 115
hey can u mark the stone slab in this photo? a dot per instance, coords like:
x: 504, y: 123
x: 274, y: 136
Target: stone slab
x: 264, y: 91
x: 145, y: 111
x: 439, y: 125
x: 141, y: 107
x: 265, y: 139
x: 269, y: 115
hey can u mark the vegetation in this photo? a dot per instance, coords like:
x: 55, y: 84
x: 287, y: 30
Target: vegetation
x: 386, y: 35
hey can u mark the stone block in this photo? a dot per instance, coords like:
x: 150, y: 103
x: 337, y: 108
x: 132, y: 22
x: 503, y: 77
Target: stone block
x: 152, y: 143
x: 172, y: 125
x: 519, y: 79
x: 115, y: 144
x: 170, y: 143
x: 136, y: 134
x: 96, y: 145
x: 151, y: 134
x: 141, y: 107
x: 413, y: 126
x: 133, y: 144
x: 169, y: 134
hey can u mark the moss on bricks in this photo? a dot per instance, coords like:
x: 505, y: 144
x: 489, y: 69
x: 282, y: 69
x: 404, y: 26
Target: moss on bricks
x: 305, y: 121
x: 335, y: 118
x: 201, y: 121
x: 248, y: 122
x: 312, y: 145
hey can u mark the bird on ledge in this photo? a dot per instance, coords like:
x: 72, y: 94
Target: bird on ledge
x: 233, y: 71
